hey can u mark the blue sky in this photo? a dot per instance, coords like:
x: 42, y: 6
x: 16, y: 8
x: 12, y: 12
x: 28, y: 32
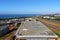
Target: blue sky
x: 29, y: 6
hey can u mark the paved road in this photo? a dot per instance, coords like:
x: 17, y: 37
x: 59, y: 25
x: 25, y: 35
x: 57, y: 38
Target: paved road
x: 34, y: 28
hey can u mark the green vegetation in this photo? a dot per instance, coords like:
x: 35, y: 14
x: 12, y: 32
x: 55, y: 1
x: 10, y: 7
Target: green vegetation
x: 55, y: 31
x: 58, y: 19
x: 18, y: 25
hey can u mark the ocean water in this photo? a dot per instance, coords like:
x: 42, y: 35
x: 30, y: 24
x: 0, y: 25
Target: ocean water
x: 16, y: 15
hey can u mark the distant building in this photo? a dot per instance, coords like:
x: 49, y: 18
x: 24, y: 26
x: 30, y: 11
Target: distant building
x: 57, y: 15
x: 46, y: 17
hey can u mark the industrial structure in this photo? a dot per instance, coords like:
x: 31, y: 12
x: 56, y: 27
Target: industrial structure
x: 6, y: 28
x: 34, y: 30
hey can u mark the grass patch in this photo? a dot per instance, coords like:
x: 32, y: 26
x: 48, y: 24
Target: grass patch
x: 58, y: 19
x: 55, y: 31
x: 18, y: 24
